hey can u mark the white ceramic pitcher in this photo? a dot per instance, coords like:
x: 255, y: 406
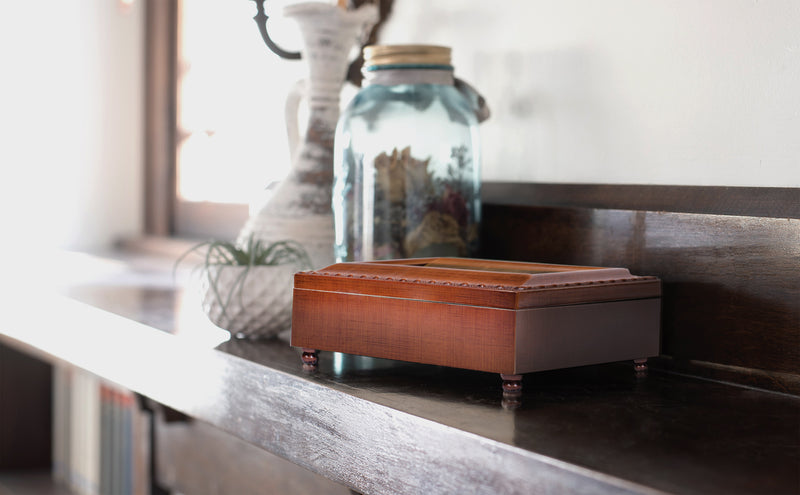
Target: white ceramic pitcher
x: 300, y: 209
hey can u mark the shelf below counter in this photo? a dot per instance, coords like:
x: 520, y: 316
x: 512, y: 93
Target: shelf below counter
x: 381, y: 426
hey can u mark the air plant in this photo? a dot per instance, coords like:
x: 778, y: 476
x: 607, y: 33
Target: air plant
x: 217, y: 255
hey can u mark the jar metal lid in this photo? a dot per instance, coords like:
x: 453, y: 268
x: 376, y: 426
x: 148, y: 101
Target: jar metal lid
x: 400, y: 55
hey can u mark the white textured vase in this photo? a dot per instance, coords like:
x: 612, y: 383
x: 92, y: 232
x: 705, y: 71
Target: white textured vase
x: 300, y: 209
x: 249, y: 302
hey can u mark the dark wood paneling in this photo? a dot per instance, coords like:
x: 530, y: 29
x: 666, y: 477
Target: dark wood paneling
x: 731, y: 301
x: 777, y: 202
x: 25, y: 411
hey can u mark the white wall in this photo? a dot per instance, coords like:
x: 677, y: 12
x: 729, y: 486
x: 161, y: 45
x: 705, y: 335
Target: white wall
x: 618, y: 91
x: 626, y: 91
x: 71, y: 123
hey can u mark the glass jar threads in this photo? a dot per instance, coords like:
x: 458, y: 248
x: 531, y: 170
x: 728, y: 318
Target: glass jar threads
x: 407, y: 159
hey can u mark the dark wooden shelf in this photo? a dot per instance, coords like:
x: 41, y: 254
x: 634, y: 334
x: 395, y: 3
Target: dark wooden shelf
x: 383, y: 426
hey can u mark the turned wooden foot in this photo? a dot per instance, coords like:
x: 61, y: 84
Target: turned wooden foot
x: 310, y: 359
x: 512, y: 391
x: 512, y: 384
x: 640, y: 365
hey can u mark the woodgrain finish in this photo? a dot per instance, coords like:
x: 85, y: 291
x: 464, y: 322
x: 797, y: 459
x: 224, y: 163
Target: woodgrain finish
x: 774, y: 202
x: 386, y: 426
x: 350, y: 440
x: 480, y: 282
x: 731, y: 284
x: 577, y: 335
x: 456, y: 335
x: 507, y: 318
x: 197, y: 458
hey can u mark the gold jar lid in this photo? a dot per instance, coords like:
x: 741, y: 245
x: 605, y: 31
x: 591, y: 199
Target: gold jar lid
x: 381, y: 55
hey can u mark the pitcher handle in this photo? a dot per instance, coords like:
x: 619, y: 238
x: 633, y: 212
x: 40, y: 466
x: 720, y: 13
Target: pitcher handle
x: 296, y: 94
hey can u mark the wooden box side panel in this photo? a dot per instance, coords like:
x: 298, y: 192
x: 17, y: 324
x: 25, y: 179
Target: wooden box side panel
x: 458, y: 336
x: 425, y: 291
x: 567, y: 336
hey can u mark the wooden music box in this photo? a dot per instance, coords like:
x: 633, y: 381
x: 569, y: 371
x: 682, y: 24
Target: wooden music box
x: 496, y: 316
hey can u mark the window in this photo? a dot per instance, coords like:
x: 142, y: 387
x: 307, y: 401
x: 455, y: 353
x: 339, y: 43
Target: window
x: 228, y: 89
x: 216, y: 135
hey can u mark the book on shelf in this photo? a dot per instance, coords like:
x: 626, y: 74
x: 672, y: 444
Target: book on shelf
x: 101, y: 438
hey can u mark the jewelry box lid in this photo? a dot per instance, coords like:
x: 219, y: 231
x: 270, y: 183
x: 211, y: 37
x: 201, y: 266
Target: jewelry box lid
x: 476, y: 282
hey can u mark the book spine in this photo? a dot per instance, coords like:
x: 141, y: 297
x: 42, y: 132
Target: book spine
x: 92, y: 465
x: 127, y: 444
x: 116, y: 440
x: 76, y: 433
x: 84, y: 435
x: 105, y: 439
x: 141, y: 451
x: 101, y: 439
x: 61, y: 409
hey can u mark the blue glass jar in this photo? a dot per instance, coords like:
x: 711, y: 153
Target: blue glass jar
x: 407, y: 159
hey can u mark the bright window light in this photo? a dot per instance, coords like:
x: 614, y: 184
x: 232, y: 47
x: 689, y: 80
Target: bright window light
x: 231, y: 92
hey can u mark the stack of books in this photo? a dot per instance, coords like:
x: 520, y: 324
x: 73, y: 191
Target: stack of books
x: 101, y: 438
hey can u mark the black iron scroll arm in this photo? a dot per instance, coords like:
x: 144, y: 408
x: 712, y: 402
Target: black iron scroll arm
x: 354, y: 71
x: 261, y: 19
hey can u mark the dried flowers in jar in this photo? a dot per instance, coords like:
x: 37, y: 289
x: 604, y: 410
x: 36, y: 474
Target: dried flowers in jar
x: 406, y: 162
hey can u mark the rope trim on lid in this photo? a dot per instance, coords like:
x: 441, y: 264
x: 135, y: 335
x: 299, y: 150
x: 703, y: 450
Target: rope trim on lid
x: 513, y: 288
